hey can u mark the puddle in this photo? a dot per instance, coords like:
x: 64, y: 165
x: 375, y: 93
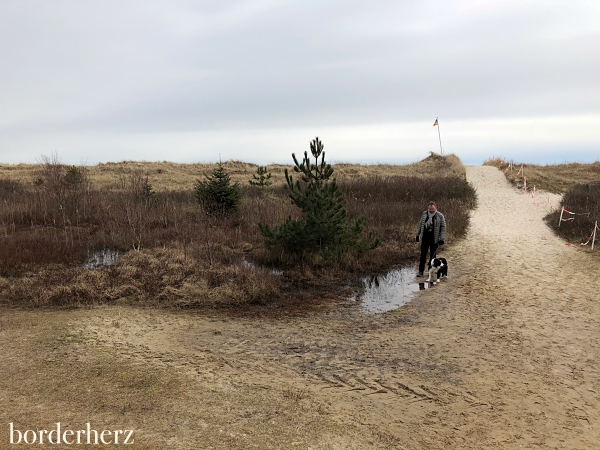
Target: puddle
x: 98, y: 259
x: 251, y: 265
x: 387, y: 292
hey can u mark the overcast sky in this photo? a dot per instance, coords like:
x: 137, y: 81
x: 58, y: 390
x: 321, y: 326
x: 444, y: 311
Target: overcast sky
x: 103, y: 80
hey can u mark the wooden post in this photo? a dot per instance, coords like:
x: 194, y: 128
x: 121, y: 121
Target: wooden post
x: 594, y: 238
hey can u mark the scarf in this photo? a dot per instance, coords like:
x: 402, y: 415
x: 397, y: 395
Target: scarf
x: 429, y: 222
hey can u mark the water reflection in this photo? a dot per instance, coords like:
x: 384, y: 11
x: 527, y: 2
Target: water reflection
x: 386, y: 292
x: 251, y: 265
x: 98, y: 259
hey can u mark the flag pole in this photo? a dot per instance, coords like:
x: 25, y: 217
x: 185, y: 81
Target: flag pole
x: 439, y: 135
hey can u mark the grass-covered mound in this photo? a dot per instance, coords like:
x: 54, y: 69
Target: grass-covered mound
x: 554, y: 178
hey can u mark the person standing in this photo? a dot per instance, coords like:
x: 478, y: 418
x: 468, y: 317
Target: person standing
x: 432, y: 228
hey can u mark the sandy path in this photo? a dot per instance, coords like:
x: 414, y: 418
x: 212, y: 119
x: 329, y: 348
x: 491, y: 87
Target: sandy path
x: 502, y: 355
x: 533, y: 304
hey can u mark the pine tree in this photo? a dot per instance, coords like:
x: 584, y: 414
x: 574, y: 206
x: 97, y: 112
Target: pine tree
x: 147, y: 188
x: 323, y: 229
x: 261, y: 177
x: 74, y: 176
x: 148, y: 193
x: 217, y: 195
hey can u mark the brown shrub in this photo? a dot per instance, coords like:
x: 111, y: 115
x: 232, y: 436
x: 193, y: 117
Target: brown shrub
x: 581, y: 198
x: 174, y: 254
x: 393, y: 206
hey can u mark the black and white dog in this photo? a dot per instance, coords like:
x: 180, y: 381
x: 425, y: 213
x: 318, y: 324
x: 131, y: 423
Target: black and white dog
x: 439, y: 267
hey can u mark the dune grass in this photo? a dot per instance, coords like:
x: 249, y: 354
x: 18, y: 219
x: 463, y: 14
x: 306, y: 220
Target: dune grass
x: 169, y: 176
x: 554, y: 178
x: 175, y: 254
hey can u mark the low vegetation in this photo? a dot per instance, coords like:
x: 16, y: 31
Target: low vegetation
x: 581, y: 198
x: 174, y: 253
x: 554, y: 178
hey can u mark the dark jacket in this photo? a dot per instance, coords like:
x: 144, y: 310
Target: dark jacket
x: 439, y: 226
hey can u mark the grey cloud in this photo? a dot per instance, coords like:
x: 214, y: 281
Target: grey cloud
x: 190, y: 66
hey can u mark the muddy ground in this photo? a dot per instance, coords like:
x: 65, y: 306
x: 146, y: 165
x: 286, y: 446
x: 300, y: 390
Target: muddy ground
x: 504, y: 354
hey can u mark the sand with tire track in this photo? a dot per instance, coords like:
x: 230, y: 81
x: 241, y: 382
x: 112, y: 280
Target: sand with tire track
x: 531, y: 307
x: 504, y: 354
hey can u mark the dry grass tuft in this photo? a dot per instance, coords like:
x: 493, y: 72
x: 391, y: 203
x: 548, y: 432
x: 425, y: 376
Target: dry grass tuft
x: 295, y: 395
x: 155, y: 276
